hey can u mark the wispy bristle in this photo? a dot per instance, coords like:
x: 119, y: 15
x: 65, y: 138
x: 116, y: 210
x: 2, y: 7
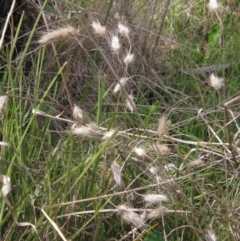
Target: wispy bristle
x: 140, y: 151
x: 128, y: 59
x: 107, y: 134
x: 131, y: 217
x: 210, y: 235
x: 116, y: 171
x: 115, y: 44
x: 3, y: 105
x: 98, y: 28
x: 123, y: 30
x: 77, y: 114
x: 161, y: 149
x: 117, y: 87
x: 89, y: 130
x: 55, y: 35
x: 169, y: 167
x: 197, y: 162
x: 151, y: 199
x: 130, y: 104
x: 155, y: 213
x: 162, y: 126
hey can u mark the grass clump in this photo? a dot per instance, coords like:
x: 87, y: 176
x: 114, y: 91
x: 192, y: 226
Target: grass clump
x: 121, y: 123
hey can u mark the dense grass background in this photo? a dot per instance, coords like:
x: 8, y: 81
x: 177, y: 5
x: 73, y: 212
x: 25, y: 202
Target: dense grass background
x: 63, y: 184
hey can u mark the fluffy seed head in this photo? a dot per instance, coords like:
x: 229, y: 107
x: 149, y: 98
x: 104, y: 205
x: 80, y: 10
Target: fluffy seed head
x: 3, y: 105
x: 151, y: 199
x: 210, y: 235
x: 57, y: 34
x: 123, y: 30
x: 117, y: 87
x: 128, y: 59
x: 161, y: 149
x: 89, y: 130
x: 140, y: 151
x: 155, y: 213
x: 213, y: 6
x: 162, y: 126
x: 216, y: 82
x: 107, y: 134
x: 116, y: 171
x: 169, y: 167
x: 197, y: 162
x: 115, y: 44
x: 130, y: 217
x: 77, y: 114
x: 98, y: 28
x: 130, y: 104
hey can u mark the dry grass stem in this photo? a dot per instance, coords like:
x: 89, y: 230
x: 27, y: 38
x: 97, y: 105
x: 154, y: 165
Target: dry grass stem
x: 58, y: 34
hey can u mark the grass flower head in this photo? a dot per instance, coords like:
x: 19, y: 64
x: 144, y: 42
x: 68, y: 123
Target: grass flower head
x: 216, y: 82
x: 123, y: 30
x: 98, y: 28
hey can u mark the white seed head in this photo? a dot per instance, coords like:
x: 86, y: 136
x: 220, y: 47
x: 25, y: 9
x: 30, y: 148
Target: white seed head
x: 155, y: 213
x: 77, y: 114
x: 140, y: 151
x: 194, y: 163
x: 115, y: 44
x: 128, y: 59
x: 210, y: 235
x: 89, y: 130
x: 130, y: 217
x: 162, y: 126
x: 116, y: 171
x: 117, y: 87
x: 57, y: 34
x: 169, y: 167
x: 123, y: 30
x: 98, y: 28
x: 162, y: 149
x: 107, y: 135
x: 151, y: 199
x: 3, y: 105
x: 130, y: 105
x: 213, y: 6
x: 216, y: 82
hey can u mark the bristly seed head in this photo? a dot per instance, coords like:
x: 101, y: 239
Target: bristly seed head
x: 115, y: 44
x: 210, y: 235
x: 3, y: 105
x: 194, y: 163
x: 116, y: 171
x: 151, y: 199
x: 162, y: 126
x: 57, y: 34
x: 130, y: 105
x: 130, y: 217
x: 77, y: 114
x: 98, y: 28
x: 89, y: 131
x: 140, y: 151
x: 213, y: 6
x: 129, y: 58
x: 123, y: 30
x: 117, y: 87
x: 155, y: 213
x: 107, y: 134
x: 216, y: 82
x: 162, y: 149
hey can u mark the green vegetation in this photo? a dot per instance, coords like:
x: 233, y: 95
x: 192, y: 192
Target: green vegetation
x: 120, y: 121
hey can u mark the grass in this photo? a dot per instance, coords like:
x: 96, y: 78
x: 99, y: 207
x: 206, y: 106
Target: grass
x: 69, y: 179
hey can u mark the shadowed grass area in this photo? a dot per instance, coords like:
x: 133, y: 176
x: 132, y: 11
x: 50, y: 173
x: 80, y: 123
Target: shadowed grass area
x: 120, y: 122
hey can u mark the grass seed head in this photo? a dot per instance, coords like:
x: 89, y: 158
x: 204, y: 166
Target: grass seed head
x: 210, y: 235
x: 130, y: 217
x: 115, y: 44
x: 130, y: 105
x: 77, y: 114
x: 155, y: 213
x: 162, y: 149
x: 3, y: 105
x: 58, y: 34
x: 216, y: 82
x: 117, y: 87
x: 213, y: 6
x: 89, y: 131
x: 98, y: 28
x: 151, y: 199
x: 116, y: 171
x: 129, y: 58
x: 123, y: 30
x: 140, y: 151
x: 161, y: 130
x: 194, y: 163
x: 107, y: 134
x: 169, y: 167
